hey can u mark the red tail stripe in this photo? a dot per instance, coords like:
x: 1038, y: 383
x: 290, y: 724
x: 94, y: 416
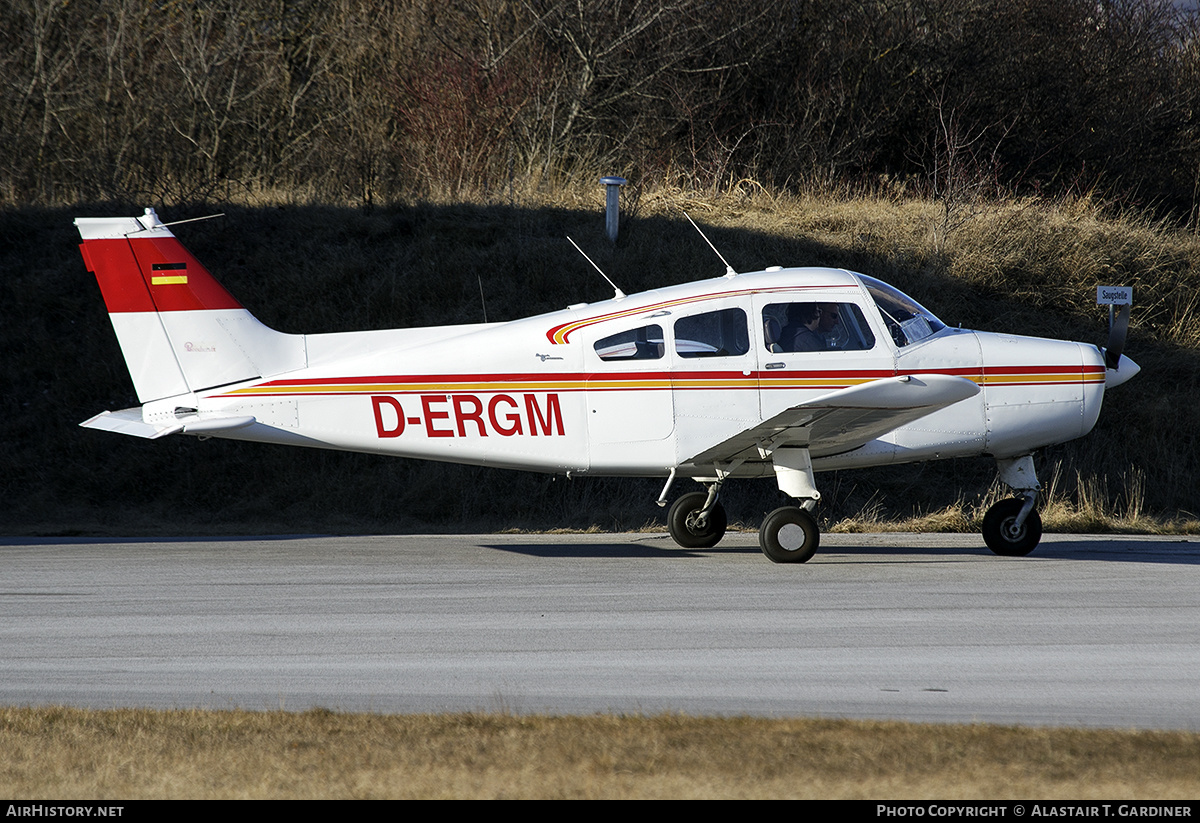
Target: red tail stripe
x: 153, y: 274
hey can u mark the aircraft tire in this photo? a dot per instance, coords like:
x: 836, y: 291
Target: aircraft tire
x: 789, y: 535
x: 998, y: 531
x: 685, y: 535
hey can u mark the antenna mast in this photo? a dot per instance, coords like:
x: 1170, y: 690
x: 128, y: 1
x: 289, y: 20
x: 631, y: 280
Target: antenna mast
x: 729, y: 272
x: 617, y: 293
x: 194, y: 219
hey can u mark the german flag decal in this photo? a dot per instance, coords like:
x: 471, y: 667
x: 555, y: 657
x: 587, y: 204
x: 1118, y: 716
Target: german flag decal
x: 168, y: 279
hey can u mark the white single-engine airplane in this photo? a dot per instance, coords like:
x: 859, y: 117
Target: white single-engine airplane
x: 784, y: 371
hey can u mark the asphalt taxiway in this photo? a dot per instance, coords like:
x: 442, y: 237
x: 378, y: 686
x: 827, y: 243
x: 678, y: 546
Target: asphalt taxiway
x: 1089, y: 630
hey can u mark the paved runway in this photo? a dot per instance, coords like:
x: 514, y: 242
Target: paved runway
x: 1095, y: 631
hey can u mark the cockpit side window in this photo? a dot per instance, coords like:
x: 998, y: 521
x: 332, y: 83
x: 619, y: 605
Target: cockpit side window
x: 820, y: 326
x: 906, y: 319
x: 723, y: 333
x: 644, y: 343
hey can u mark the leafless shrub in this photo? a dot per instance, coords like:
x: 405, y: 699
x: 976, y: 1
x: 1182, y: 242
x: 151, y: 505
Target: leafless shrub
x: 358, y: 101
x: 456, y: 118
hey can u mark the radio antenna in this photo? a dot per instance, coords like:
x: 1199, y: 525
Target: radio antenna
x: 149, y: 221
x: 194, y: 219
x: 617, y: 293
x: 729, y: 272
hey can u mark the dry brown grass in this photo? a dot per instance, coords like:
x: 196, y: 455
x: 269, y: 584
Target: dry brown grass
x: 1092, y: 507
x: 133, y: 753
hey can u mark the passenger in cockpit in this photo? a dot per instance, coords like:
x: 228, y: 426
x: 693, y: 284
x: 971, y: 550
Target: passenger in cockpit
x: 827, y: 325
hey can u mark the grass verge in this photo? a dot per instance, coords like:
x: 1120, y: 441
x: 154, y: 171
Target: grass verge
x: 136, y: 753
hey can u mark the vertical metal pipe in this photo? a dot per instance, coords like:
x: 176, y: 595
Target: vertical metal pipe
x: 612, y: 204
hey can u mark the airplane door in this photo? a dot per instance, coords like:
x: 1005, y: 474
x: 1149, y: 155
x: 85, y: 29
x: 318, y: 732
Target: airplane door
x: 810, y: 344
x: 713, y: 363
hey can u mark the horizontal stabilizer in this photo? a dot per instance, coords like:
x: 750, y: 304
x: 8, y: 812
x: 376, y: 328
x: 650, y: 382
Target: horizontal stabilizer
x: 129, y: 421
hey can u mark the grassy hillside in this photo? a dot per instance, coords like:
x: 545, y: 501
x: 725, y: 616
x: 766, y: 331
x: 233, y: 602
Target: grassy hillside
x: 1028, y: 266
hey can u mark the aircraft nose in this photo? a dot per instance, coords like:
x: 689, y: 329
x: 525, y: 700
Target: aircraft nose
x: 1125, y: 369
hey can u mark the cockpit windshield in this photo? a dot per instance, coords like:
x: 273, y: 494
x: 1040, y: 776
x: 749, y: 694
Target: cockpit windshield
x: 906, y: 319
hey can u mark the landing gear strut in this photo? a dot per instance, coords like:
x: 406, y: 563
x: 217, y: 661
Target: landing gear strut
x: 1013, y: 528
x: 790, y: 534
x: 787, y: 535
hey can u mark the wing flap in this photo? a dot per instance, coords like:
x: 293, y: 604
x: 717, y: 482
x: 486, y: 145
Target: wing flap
x: 845, y: 419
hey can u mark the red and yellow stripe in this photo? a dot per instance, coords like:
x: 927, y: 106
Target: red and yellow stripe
x: 793, y: 380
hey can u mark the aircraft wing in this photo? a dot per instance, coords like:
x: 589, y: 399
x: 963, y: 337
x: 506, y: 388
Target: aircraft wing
x: 129, y: 421
x: 845, y: 419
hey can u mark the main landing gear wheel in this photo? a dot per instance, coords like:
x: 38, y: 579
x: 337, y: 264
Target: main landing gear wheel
x: 1000, y: 531
x: 789, y: 535
x: 685, y: 527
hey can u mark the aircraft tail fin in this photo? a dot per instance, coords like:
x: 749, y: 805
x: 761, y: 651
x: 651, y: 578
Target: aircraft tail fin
x: 179, y: 329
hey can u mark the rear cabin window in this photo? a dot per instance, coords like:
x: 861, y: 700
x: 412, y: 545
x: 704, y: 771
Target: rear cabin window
x: 722, y: 333
x: 794, y: 327
x: 645, y: 343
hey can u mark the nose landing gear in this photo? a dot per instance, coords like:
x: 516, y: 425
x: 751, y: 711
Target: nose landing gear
x: 1009, y: 534
x: 1012, y: 527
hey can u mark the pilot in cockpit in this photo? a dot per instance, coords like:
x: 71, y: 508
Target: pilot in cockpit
x: 800, y: 333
